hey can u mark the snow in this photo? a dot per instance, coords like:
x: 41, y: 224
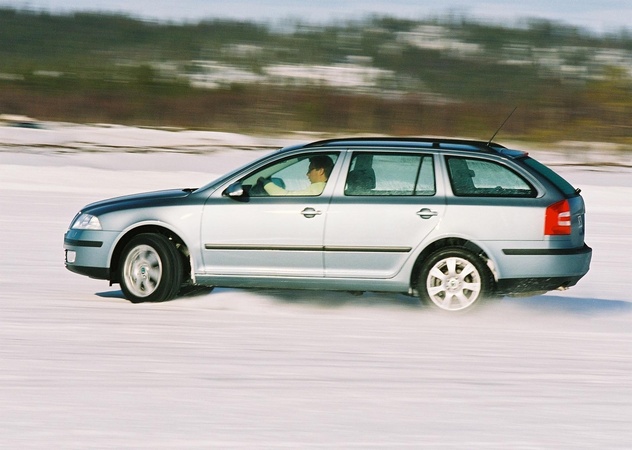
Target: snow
x: 80, y: 367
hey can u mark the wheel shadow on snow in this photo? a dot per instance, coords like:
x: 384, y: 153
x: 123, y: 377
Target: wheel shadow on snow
x: 111, y: 294
x: 573, y: 305
x: 542, y: 303
x: 190, y: 293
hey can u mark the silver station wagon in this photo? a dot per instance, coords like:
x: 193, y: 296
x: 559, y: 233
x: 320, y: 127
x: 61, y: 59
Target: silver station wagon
x: 454, y: 222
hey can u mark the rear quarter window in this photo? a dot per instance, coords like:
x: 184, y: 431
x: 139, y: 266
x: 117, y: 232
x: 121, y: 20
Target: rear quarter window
x: 550, y: 175
x: 471, y: 177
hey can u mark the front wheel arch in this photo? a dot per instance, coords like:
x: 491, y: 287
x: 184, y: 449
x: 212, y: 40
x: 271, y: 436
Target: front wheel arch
x: 150, y: 269
x: 182, y: 248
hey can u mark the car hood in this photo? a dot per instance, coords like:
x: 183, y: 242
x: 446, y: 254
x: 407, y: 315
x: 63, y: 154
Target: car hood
x: 147, y: 199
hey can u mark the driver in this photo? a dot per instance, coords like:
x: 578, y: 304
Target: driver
x: 320, y: 167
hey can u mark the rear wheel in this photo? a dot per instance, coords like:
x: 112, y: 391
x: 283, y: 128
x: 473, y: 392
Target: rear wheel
x: 150, y: 269
x: 454, y: 279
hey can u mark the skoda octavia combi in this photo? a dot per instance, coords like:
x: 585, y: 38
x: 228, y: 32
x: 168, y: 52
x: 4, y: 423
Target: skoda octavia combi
x: 452, y: 221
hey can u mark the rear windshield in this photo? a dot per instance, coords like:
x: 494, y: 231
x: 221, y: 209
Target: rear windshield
x: 564, y: 186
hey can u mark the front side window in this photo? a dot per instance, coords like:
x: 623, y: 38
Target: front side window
x: 387, y: 174
x: 303, y: 175
x: 481, y: 178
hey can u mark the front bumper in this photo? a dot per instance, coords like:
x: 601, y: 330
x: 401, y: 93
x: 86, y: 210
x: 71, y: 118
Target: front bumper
x: 92, y: 272
x: 88, y: 252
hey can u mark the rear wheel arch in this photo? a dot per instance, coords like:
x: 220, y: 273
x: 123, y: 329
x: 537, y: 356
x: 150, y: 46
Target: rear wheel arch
x: 455, y: 279
x: 451, y: 242
x: 179, y: 244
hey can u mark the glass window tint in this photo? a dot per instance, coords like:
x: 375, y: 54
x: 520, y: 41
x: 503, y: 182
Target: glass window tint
x: 476, y: 177
x: 390, y: 174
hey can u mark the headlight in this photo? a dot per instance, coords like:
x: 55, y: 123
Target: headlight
x: 86, y: 222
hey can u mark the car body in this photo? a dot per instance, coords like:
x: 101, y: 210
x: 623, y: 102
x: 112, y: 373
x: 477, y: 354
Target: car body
x: 453, y: 221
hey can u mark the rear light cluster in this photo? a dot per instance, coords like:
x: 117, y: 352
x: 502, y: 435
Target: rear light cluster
x: 558, y: 219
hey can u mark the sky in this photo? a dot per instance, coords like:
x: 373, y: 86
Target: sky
x: 596, y: 15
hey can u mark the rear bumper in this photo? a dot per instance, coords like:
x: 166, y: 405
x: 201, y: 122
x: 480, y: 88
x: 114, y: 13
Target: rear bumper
x: 545, y: 269
x: 581, y: 251
x: 509, y: 286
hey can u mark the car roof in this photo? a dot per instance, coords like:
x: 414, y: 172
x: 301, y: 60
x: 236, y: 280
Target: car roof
x: 413, y: 143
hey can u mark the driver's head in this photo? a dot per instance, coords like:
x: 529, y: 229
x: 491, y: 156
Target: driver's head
x: 320, y: 167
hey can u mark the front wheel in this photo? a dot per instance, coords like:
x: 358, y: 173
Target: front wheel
x: 150, y: 269
x: 454, y: 279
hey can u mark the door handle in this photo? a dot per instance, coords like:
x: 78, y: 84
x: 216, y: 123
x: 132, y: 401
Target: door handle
x: 310, y: 213
x: 426, y: 213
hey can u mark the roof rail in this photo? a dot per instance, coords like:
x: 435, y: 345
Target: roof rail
x: 435, y: 142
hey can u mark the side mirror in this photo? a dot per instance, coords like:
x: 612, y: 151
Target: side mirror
x: 234, y: 190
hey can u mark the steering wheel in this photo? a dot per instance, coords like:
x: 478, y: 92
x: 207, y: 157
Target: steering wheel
x: 257, y: 189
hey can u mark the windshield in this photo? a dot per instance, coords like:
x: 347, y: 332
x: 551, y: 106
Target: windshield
x: 218, y: 181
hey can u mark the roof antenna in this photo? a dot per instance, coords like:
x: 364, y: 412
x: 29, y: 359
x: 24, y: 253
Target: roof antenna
x: 500, y: 127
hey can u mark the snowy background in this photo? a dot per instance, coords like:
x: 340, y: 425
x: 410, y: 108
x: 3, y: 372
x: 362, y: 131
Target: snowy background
x: 80, y: 367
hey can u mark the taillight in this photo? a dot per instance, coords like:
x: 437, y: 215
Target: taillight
x: 558, y: 219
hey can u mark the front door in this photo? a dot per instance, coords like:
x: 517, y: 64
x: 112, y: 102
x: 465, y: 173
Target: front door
x: 268, y: 234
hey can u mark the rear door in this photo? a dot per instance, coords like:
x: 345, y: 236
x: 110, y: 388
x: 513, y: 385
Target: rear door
x: 386, y: 206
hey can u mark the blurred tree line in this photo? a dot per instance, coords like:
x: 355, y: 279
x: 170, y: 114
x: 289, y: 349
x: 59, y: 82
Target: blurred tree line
x: 446, y: 76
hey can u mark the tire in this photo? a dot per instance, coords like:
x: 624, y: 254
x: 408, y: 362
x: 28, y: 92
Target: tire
x: 150, y: 269
x: 454, y: 279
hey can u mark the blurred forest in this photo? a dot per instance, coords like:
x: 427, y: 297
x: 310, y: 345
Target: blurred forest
x: 448, y: 76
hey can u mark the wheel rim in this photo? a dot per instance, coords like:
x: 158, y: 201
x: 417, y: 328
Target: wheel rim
x: 453, y: 284
x: 142, y: 270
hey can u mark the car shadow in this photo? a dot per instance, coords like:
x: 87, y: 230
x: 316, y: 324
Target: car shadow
x: 322, y: 298
x: 336, y: 299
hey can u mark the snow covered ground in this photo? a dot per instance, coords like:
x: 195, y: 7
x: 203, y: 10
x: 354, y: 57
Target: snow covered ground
x: 80, y: 367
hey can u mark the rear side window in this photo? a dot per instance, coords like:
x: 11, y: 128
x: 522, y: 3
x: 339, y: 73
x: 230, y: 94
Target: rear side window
x: 390, y: 174
x: 564, y: 186
x: 482, y: 178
